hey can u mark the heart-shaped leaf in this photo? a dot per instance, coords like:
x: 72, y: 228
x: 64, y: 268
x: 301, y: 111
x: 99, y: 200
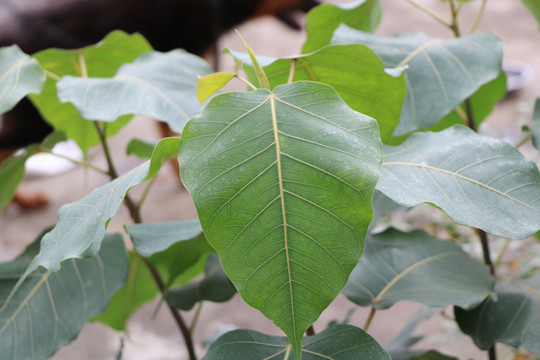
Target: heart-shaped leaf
x: 20, y: 75
x: 282, y: 182
x: 50, y: 308
x: 161, y: 85
x: 321, y: 22
x: 414, y: 266
x: 477, y: 180
x: 441, y: 74
x: 356, y: 73
x: 339, y: 342
x: 100, y: 60
x: 215, y: 286
x: 514, y: 319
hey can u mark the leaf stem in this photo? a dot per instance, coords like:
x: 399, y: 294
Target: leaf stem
x: 454, y: 24
x: 245, y: 81
x: 196, y: 317
x: 523, y: 141
x: 501, y: 253
x: 369, y: 318
x: 86, y: 164
x: 291, y: 72
x: 430, y: 12
x: 51, y: 75
x: 476, y: 20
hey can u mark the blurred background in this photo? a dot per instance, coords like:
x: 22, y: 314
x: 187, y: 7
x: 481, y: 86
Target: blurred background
x: 156, y: 337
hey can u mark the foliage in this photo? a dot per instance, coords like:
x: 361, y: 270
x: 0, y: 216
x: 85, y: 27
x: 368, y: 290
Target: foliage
x: 290, y: 179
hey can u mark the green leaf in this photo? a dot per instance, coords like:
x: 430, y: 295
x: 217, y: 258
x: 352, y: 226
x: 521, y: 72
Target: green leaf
x: 534, y: 7
x: 174, y: 247
x: 414, y: 266
x: 322, y: 21
x: 535, y: 126
x: 101, y: 60
x: 160, y: 85
x: 20, y: 75
x: 432, y: 355
x: 140, y: 148
x: 356, y: 73
x: 12, y: 169
x: 383, y: 205
x: 138, y: 290
x: 211, y: 84
x: 262, y: 80
x: 514, y: 319
x: 165, y: 150
x: 477, y: 180
x: 50, y: 308
x: 279, y: 178
x: 215, y: 286
x: 441, y: 74
x: 339, y: 342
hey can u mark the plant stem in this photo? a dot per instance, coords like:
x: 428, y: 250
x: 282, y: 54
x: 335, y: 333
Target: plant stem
x: 478, y: 17
x: 501, y: 253
x: 52, y: 75
x: 485, y: 249
x: 134, y: 212
x: 430, y: 12
x: 369, y: 319
x: 523, y: 141
x: 454, y: 13
x: 291, y: 72
x: 245, y: 81
x: 195, y: 317
x: 74, y: 161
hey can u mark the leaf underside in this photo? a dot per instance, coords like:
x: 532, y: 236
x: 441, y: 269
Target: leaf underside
x: 282, y: 182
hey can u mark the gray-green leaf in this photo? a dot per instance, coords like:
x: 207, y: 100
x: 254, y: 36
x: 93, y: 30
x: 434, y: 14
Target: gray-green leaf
x: 282, y: 182
x: 50, y: 308
x: 414, y: 266
x: 321, y: 22
x: 441, y: 74
x: 339, y: 342
x: 20, y: 75
x: 477, y: 180
x: 514, y: 319
x: 161, y: 85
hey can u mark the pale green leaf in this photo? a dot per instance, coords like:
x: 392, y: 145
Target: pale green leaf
x: 101, y: 60
x: 514, y: 319
x: 279, y: 178
x: 50, y: 308
x: 20, y: 75
x: 414, y: 266
x: 322, y: 21
x: 441, y: 74
x: 160, y: 85
x: 339, y: 342
x: 477, y: 180
x: 215, y: 286
x: 356, y: 73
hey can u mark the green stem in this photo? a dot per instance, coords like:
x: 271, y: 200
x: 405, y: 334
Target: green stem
x: 146, y: 191
x: 196, y: 317
x: 86, y: 164
x: 51, y: 75
x: 291, y: 72
x: 454, y: 24
x: 430, y: 12
x: 245, y: 81
x: 370, y: 318
x: 476, y: 20
x: 501, y: 253
x: 523, y: 141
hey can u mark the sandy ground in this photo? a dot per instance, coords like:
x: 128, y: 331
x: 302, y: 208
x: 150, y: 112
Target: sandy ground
x: 158, y: 338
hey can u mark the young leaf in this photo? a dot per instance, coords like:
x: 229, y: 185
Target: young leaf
x: 160, y: 85
x: 282, y: 182
x: 356, y: 73
x: 215, y: 286
x: 514, y: 319
x: 414, y: 266
x: 441, y: 74
x: 211, y: 84
x: 138, y: 290
x: 50, y: 308
x: 339, y: 342
x: 321, y: 22
x: 101, y: 60
x: 140, y: 148
x: 478, y: 181
x: 262, y: 80
x: 20, y: 75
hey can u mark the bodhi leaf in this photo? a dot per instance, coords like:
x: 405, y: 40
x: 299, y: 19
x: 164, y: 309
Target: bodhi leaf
x: 174, y: 247
x: 100, y: 60
x: 339, y: 342
x: 324, y: 19
x: 50, y: 308
x: 282, y: 182
x: 215, y: 286
x: 356, y: 73
x: 20, y: 75
x: 12, y: 169
x: 414, y: 266
x: 81, y: 225
x: 441, y: 74
x: 160, y: 85
x: 514, y: 319
x: 477, y: 180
